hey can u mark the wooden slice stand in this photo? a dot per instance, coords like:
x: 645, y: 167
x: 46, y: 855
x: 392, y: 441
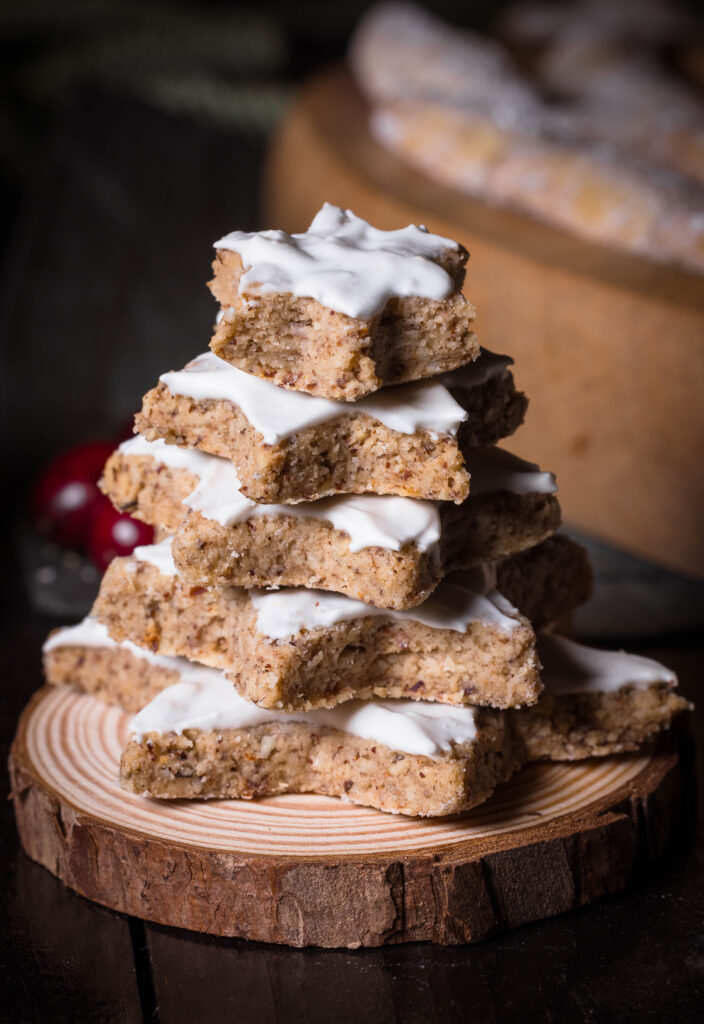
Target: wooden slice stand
x: 305, y: 870
x: 608, y: 347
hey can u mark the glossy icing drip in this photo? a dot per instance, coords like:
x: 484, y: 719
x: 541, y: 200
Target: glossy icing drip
x: 493, y: 469
x: 343, y: 262
x: 213, y: 705
x: 569, y: 667
x: 471, y: 598
x: 158, y: 555
x: 88, y: 633
x: 370, y: 520
x: 172, y: 455
x: 278, y: 413
x: 92, y: 633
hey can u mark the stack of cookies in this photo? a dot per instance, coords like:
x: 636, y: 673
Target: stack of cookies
x: 349, y: 573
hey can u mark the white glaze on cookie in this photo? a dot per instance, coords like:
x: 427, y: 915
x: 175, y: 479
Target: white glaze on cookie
x: 88, y: 633
x: 569, y: 667
x: 370, y: 520
x: 278, y: 413
x: 343, y: 262
x: 92, y: 633
x: 493, y: 469
x: 472, y: 375
x: 205, y: 699
x: 413, y: 727
x: 159, y: 555
x: 472, y: 598
x: 469, y: 596
x: 171, y: 455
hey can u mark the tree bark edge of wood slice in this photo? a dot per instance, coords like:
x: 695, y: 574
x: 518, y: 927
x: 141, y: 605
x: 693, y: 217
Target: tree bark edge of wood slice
x: 456, y: 894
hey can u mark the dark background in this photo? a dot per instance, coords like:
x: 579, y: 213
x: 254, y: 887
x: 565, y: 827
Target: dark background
x: 132, y: 136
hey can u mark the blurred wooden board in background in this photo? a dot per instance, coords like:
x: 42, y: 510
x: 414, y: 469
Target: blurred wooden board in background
x: 609, y: 347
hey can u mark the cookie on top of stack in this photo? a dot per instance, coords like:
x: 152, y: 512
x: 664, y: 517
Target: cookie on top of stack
x: 349, y: 573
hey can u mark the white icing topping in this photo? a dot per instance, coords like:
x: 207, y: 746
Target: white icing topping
x: 467, y: 597
x: 472, y: 375
x: 277, y: 412
x: 158, y: 555
x: 88, y: 633
x: 213, y: 705
x: 92, y: 633
x: 569, y: 667
x: 343, y: 262
x: 470, y: 598
x: 205, y: 699
x: 370, y: 520
x: 171, y: 455
x: 493, y: 469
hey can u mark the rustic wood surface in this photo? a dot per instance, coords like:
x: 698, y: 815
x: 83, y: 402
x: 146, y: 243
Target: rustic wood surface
x: 307, y: 870
x: 607, y: 346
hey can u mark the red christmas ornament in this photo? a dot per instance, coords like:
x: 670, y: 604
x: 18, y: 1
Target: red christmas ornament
x: 66, y: 496
x: 114, y: 533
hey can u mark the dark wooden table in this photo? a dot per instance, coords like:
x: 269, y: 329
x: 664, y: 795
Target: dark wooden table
x: 104, y: 290
x: 635, y: 957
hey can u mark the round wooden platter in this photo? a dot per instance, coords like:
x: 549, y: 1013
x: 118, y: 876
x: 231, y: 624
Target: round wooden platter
x: 307, y: 870
x: 609, y: 347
